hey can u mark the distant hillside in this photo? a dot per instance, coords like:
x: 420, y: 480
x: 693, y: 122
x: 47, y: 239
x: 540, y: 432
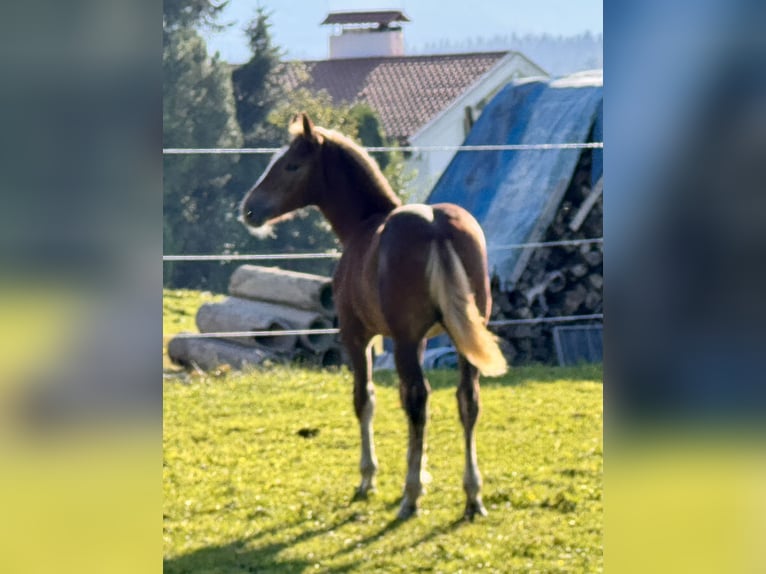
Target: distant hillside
x: 558, y: 55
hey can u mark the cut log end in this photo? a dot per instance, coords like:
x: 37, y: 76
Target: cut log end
x: 326, y: 299
x: 318, y: 342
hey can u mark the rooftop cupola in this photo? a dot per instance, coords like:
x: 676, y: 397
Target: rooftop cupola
x: 366, y: 34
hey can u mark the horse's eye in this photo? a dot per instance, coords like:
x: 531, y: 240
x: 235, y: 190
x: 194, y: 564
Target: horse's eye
x: 291, y: 167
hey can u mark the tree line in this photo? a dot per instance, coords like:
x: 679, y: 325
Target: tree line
x: 557, y: 55
x: 210, y: 103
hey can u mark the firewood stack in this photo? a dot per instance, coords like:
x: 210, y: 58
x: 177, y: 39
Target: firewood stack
x: 264, y: 299
x: 557, y: 281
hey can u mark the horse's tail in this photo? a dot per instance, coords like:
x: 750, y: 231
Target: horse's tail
x: 449, y: 286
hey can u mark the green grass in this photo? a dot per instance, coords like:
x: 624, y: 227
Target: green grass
x: 179, y: 308
x: 244, y: 491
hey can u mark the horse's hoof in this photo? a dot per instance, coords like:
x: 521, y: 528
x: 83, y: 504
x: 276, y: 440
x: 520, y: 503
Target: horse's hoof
x: 362, y: 494
x: 406, y: 511
x: 474, y: 508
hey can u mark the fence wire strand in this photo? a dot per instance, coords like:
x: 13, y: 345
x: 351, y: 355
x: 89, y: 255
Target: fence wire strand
x: 337, y: 254
x: 335, y: 330
x: 404, y: 149
x: 252, y: 257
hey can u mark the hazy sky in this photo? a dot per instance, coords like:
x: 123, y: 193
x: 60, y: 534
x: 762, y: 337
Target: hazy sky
x: 296, y: 22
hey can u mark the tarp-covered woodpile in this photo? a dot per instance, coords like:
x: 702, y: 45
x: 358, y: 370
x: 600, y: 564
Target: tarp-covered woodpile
x: 264, y: 299
x: 524, y: 196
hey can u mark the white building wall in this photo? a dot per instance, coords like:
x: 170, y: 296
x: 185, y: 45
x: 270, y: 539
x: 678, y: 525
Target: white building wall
x: 365, y: 43
x: 449, y: 128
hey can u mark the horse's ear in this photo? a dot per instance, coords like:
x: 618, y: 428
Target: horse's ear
x: 301, y: 125
x: 308, y: 126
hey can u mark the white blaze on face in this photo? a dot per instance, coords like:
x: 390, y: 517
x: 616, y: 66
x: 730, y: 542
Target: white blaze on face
x: 277, y: 156
x: 265, y: 230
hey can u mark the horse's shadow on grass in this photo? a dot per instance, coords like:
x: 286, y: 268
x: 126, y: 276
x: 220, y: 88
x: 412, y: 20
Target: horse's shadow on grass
x: 246, y: 555
x: 397, y: 523
x: 235, y: 557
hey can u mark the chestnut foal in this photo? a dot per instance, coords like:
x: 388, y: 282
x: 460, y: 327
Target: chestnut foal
x: 407, y: 272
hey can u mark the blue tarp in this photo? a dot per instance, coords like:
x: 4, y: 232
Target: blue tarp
x: 514, y: 194
x: 436, y: 358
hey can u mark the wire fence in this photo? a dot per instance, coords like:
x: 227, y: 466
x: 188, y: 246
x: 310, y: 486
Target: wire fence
x: 337, y: 254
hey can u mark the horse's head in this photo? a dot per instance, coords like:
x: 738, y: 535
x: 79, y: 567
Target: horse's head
x: 289, y: 182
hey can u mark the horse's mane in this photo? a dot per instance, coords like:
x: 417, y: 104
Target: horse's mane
x: 367, y: 168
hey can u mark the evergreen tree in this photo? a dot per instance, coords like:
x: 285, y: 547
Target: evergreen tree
x: 198, y: 111
x: 186, y: 14
x: 256, y: 88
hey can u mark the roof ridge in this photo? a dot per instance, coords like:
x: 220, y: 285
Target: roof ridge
x: 498, y: 53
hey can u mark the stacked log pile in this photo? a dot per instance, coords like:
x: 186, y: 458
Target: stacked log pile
x: 264, y: 299
x: 557, y: 281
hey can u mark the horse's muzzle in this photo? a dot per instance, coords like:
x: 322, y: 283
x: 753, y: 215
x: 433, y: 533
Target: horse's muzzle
x: 248, y: 217
x: 252, y: 216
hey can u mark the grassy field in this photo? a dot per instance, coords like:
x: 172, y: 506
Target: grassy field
x: 260, y: 469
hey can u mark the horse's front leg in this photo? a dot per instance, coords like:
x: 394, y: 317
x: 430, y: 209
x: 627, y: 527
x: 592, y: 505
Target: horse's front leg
x: 468, y: 405
x: 358, y: 347
x: 413, y: 390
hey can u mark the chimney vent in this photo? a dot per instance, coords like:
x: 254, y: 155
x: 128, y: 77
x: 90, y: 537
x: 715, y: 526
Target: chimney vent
x: 366, y: 34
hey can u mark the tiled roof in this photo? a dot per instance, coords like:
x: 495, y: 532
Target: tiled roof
x: 406, y: 91
x: 384, y: 17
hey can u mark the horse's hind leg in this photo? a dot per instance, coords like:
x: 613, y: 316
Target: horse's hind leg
x: 468, y: 405
x: 359, y: 351
x: 414, y: 391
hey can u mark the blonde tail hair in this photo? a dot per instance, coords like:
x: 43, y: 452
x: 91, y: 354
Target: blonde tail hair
x: 449, y: 286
